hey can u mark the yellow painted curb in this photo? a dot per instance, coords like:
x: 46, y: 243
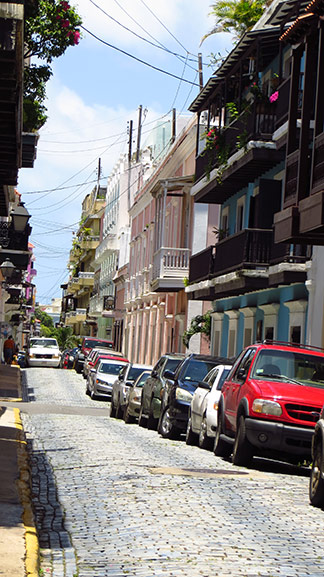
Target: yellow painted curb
x: 32, y: 545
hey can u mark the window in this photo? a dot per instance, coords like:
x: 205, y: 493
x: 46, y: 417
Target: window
x: 245, y: 363
x: 240, y: 214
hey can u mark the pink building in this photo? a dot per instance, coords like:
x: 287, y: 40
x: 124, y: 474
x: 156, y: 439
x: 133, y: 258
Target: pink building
x: 160, y: 247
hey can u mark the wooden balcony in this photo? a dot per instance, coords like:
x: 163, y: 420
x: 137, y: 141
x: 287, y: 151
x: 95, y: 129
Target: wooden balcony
x: 282, y: 108
x: 170, y: 267
x: 245, y: 163
x: 239, y: 261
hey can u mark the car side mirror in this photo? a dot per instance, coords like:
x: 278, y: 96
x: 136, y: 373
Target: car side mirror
x: 241, y: 374
x: 169, y: 375
x: 154, y: 374
x: 129, y: 383
x: 92, y: 370
x: 204, y: 385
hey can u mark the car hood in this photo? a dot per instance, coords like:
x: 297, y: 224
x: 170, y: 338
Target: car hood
x: 289, y: 392
x: 188, y: 385
x: 44, y: 351
x: 105, y: 377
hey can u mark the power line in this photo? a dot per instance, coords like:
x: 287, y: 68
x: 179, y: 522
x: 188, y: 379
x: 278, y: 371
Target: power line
x: 159, y: 46
x: 165, y: 27
x: 136, y: 58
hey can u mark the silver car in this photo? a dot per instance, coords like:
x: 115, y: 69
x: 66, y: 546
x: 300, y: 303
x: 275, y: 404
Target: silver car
x: 125, y: 379
x: 102, y: 376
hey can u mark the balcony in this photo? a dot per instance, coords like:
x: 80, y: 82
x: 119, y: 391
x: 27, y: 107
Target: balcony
x: 106, y: 247
x: 288, y: 264
x: 73, y: 284
x: 89, y: 242
x: 283, y: 103
x: 170, y: 267
x: 236, y: 265
x: 86, y: 279
x: 256, y: 154
x: 77, y: 316
x: 96, y: 306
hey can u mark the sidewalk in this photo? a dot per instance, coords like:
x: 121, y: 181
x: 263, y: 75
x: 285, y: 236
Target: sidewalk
x: 18, y: 539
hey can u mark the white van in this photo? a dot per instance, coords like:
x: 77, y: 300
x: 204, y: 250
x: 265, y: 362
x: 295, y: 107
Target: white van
x: 43, y: 352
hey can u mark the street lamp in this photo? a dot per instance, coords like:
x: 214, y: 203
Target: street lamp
x: 7, y: 269
x: 20, y: 216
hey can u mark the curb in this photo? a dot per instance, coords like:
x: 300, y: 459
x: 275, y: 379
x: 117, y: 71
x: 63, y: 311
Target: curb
x: 31, y: 539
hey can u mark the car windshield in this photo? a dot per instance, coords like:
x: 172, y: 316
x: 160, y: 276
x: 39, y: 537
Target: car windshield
x: 297, y: 367
x: 44, y: 343
x: 140, y: 382
x: 110, y: 368
x: 134, y: 372
x: 196, y: 370
x: 172, y: 364
x: 91, y: 344
x: 222, y: 379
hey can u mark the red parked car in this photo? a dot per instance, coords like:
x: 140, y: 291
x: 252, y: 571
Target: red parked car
x: 270, y: 403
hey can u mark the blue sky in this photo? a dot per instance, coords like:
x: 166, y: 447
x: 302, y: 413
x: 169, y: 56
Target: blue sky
x: 95, y: 90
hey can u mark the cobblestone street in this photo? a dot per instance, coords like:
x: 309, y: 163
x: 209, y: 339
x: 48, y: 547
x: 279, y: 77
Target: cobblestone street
x: 113, y: 499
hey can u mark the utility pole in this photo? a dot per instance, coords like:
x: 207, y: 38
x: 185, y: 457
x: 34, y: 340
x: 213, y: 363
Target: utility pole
x: 139, y: 130
x: 130, y: 141
x: 174, y: 125
x: 99, y: 172
x: 200, y: 69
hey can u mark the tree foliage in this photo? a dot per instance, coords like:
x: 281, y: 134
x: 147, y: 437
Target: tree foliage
x: 51, y: 26
x: 200, y: 324
x: 236, y: 16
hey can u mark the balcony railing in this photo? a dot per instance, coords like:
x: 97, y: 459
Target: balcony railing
x: 255, y: 123
x: 249, y: 248
x: 107, y: 245
x: 318, y: 164
x: 170, y: 267
x: 89, y: 242
x: 283, y: 102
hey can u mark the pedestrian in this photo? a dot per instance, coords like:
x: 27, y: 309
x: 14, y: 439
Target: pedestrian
x: 9, y: 348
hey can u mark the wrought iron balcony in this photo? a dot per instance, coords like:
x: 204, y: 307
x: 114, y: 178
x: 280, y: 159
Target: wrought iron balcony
x: 170, y: 267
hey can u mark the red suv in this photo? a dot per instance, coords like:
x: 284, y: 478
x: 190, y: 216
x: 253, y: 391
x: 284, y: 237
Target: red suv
x: 270, y: 403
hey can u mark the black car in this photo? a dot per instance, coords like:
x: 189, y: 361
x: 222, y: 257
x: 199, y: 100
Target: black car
x: 316, y: 482
x: 178, y: 391
x: 153, y: 390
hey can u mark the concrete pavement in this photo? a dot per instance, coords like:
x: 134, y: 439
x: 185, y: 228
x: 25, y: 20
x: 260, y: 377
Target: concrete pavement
x: 19, y: 550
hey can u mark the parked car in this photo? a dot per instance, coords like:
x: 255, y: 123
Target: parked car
x: 92, y: 357
x: 153, y: 390
x: 316, y: 482
x: 270, y: 403
x: 203, y: 410
x: 43, y: 352
x: 68, y: 357
x: 133, y: 398
x: 102, y: 376
x: 125, y: 379
x: 178, y: 391
x: 87, y: 344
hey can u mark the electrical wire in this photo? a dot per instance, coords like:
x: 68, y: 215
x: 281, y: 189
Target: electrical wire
x: 159, y: 46
x: 135, y: 57
x: 165, y: 27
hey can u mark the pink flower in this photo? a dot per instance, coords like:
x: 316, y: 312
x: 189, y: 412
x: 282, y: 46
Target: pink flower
x: 76, y: 37
x: 65, y: 23
x: 274, y: 96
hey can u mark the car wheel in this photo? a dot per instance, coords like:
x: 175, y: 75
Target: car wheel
x: 204, y: 441
x: 242, y: 451
x: 152, y: 422
x: 112, y: 409
x: 316, y: 482
x: 93, y: 395
x: 167, y: 429
x: 221, y: 447
x: 191, y: 438
x: 142, y: 421
x: 127, y: 417
x: 119, y: 410
x: 87, y: 389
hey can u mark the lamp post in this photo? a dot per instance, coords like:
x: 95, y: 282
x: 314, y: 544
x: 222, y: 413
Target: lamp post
x: 20, y: 217
x: 7, y: 269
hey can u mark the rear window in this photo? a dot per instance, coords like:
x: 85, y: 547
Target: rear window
x: 92, y: 343
x: 110, y: 369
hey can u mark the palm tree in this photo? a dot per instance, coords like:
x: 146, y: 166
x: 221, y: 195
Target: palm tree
x: 236, y: 16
